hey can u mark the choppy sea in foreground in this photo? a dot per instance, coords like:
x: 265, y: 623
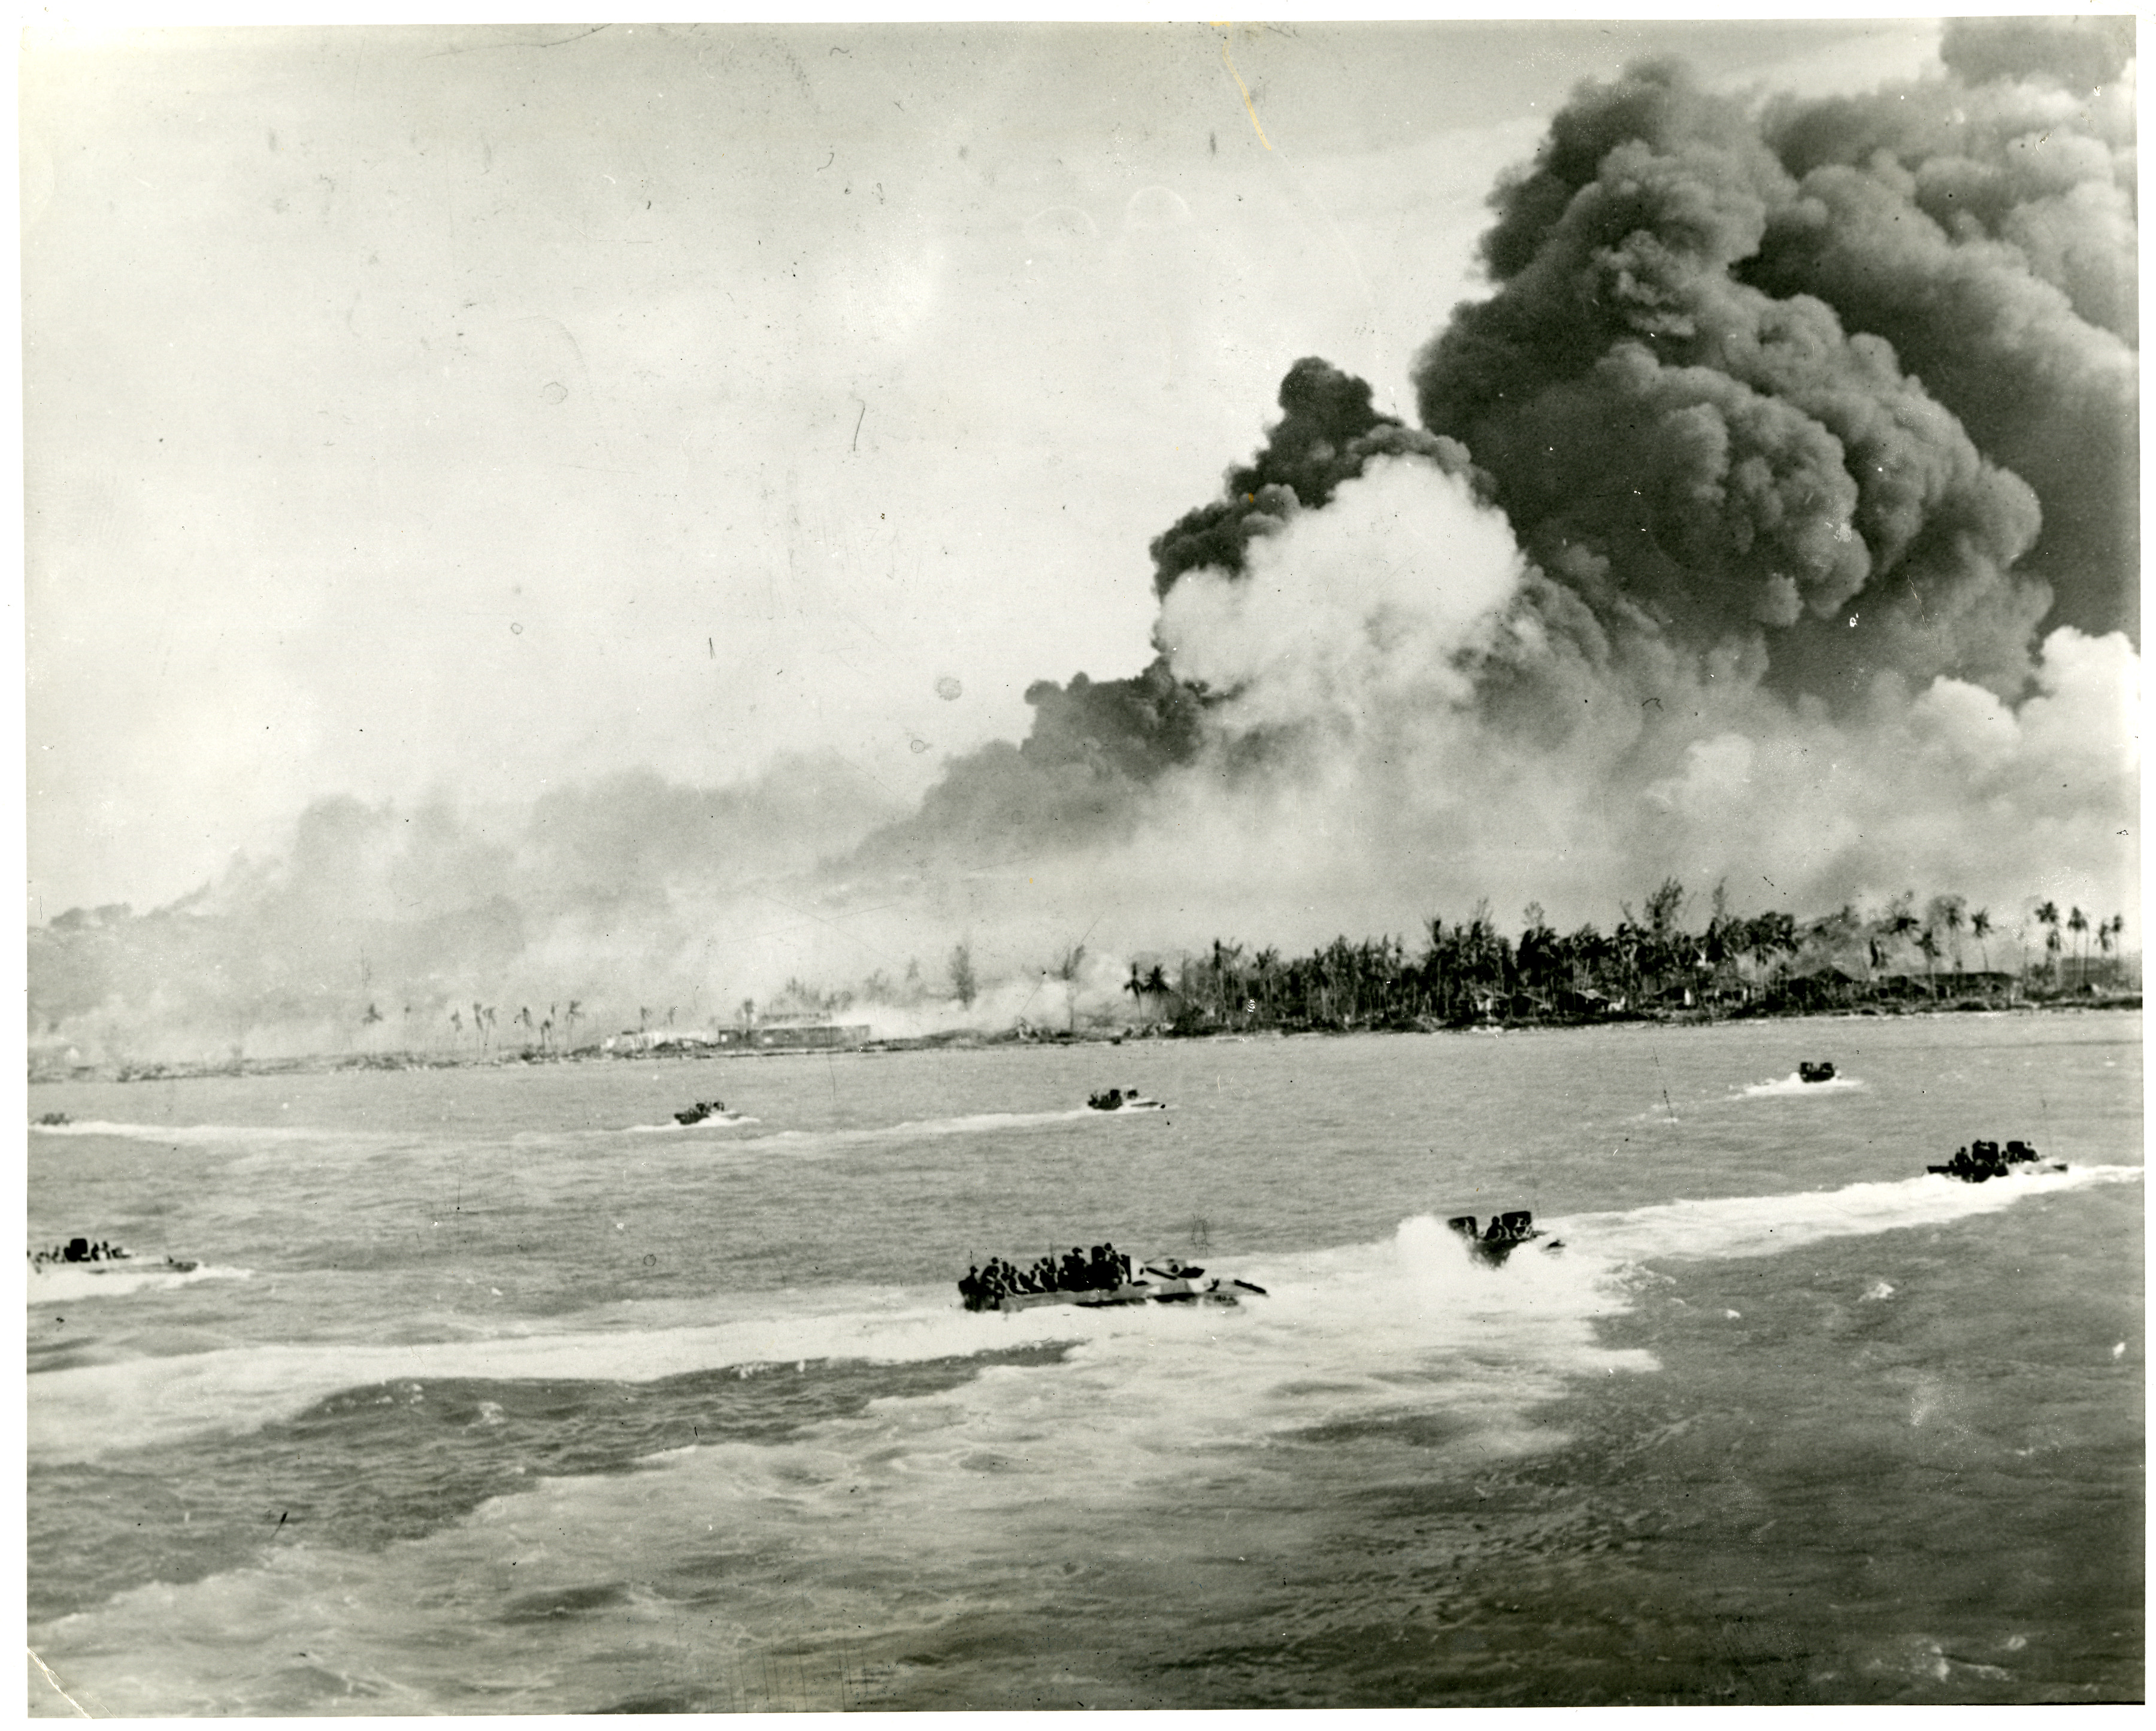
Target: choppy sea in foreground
x: 493, y: 1394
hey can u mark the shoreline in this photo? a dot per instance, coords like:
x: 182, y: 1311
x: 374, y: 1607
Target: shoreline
x: 967, y: 1039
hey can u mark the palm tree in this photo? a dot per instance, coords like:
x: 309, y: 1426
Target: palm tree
x: 2047, y: 916
x: 1946, y: 915
x: 1624, y: 948
x: 2077, y: 923
x: 1927, y: 941
x: 1156, y: 988
x: 1264, y: 966
x: 1143, y: 984
x: 1980, y: 926
x: 1226, y: 978
x: 1896, y: 925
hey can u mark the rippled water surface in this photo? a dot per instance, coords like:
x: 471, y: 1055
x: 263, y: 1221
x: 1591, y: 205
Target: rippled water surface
x: 492, y: 1394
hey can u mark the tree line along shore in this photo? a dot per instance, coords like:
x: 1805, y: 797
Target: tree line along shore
x: 1466, y: 975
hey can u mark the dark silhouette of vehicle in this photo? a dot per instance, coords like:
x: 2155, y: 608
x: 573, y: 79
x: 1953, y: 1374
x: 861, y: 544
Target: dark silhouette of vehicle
x: 1980, y: 1162
x: 102, y: 1257
x: 1106, y: 1281
x: 1122, y: 1099
x: 1506, y: 1234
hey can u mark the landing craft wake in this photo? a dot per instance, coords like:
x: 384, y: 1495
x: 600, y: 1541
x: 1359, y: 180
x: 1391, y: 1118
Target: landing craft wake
x: 74, y: 1283
x: 811, y: 1141
x: 1420, y: 1285
x: 1766, y: 1225
x: 710, y: 1121
x: 972, y: 1124
x: 1795, y: 1084
x: 208, y: 1136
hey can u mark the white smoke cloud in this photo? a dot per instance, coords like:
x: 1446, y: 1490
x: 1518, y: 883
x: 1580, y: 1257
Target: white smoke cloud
x: 1407, y: 716
x: 1351, y: 615
x: 1946, y: 788
x: 1359, y: 646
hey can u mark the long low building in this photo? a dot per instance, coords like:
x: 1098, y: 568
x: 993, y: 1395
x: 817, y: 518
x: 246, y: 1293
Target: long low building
x: 775, y: 1036
x: 794, y: 1035
x: 660, y: 1039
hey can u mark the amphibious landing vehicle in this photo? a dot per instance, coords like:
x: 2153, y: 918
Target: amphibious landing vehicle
x: 1982, y: 1161
x: 1125, y: 1099
x: 103, y: 1258
x: 1507, y: 1233
x: 1100, y: 1281
x: 705, y: 1112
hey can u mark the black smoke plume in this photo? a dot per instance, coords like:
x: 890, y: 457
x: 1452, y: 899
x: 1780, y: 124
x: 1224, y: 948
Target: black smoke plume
x: 1327, y: 433
x: 1079, y: 776
x: 1772, y: 520
x: 1795, y: 395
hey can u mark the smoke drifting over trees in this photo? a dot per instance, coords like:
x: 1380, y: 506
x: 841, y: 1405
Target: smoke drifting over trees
x: 1772, y: 520
x: 595, y: 898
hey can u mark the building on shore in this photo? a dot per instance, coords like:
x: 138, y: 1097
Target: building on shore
x: 631, y: 1041
x: 792, y: 1034
x: 772, y: 1033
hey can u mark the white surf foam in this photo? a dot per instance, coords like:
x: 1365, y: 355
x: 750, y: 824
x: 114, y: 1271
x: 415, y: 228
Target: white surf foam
x: 801, y: 1141
x: 921, y: 1507
x: 70, y: 1283
x: 83, y: 1412
x: 1412, y: 1319
x: 1367, y: 1304
x: 717, y: 1121
x: 721, y: 1121
x: 911, y: 1130
x: 969, y: 1124
x: 1764, y: 1226
x: 205, y: 1136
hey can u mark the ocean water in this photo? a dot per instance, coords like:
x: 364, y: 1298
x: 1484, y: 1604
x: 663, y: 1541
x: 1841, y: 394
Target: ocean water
x: 490, y: 1393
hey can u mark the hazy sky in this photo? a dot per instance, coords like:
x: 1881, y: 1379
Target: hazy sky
x: 482, y: 409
